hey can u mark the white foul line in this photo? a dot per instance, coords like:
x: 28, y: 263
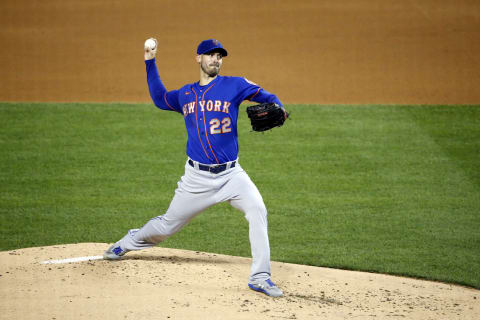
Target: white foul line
x: 79, y: 259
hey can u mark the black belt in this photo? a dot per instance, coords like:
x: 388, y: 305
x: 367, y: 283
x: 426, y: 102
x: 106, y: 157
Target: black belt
x: 213, y: 169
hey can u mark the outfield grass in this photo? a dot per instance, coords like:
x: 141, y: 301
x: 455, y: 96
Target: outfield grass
x: 391, y: 189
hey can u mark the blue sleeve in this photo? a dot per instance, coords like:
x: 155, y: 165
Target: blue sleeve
x: 163, y: 99
x: 253, y: 92
x: 262, y: 96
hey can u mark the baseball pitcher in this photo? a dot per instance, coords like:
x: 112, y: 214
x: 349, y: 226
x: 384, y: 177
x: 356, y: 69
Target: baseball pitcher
x: 213, y: 174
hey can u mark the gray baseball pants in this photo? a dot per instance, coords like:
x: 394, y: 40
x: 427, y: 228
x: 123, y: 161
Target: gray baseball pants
x: 198, y: 190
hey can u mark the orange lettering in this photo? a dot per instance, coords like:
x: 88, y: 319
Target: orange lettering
x: 226, y: 105
x: 209, y: 105
x: 218, y: 104
x: 191, y: 107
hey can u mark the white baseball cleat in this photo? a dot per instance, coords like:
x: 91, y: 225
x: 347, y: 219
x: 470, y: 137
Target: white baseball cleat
x: 267, y: 287
x: 115, y: 252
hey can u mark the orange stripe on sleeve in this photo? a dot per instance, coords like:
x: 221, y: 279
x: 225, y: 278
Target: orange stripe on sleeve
x: 254, y: 94
x: 168, y: 104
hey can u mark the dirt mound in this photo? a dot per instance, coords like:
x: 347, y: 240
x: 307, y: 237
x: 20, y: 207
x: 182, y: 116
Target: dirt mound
x: 161, y: 283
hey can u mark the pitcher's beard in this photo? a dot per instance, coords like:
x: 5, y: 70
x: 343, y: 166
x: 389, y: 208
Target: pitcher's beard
x: 211, y: 72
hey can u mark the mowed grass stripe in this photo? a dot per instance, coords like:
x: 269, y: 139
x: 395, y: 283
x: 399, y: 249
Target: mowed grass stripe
x: 390, y: 189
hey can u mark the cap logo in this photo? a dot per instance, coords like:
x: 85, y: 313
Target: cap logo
x: 210, y: 45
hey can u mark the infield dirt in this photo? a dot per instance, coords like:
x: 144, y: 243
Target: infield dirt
x: 306, y: 51
x: 318, y: 52
x: 164, y: 283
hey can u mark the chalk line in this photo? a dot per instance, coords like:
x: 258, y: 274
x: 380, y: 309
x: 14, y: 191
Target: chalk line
x: 69, y: 260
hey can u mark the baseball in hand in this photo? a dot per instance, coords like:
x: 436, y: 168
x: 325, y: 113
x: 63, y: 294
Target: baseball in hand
x: 151, y: 44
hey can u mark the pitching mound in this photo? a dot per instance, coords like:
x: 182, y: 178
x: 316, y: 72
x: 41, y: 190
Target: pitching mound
x: 164, y: 283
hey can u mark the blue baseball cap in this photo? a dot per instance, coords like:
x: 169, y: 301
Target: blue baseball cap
x: 210, y: 45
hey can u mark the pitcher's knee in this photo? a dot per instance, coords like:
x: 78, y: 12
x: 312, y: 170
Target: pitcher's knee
x: 158, y: 229
x: 256, y: 210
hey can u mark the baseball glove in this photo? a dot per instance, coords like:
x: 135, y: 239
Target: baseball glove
x: 266, y: 116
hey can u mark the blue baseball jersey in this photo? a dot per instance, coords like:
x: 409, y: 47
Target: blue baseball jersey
x: 210, y: 112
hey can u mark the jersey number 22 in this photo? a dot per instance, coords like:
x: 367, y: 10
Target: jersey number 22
x: 225, y: 125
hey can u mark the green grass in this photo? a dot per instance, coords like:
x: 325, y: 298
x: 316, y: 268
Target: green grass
x: 391, y: 189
